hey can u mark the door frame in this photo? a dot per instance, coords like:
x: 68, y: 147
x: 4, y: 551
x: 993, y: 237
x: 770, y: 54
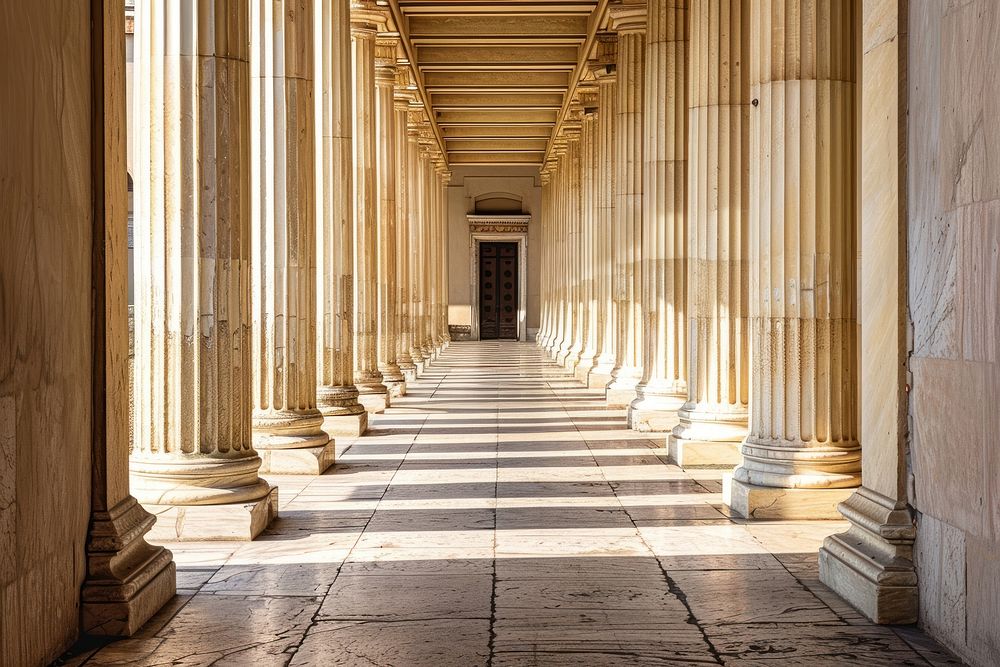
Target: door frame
x: 521, y: 239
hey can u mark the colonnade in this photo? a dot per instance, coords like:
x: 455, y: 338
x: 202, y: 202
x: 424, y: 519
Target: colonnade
x: 289, y: 236
x: 722, y: 223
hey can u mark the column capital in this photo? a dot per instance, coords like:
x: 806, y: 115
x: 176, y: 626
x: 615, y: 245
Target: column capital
x: 605, y: 62
x: 628, y: 16
x: 386, y: 45
x: 587, y: 91
x: 405, y: 88
x: 367, y: 18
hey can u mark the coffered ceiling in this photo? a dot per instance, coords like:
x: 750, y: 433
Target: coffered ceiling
x: 497, y: 74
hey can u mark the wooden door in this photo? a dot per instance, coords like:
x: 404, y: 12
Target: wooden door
x: 498, y: 290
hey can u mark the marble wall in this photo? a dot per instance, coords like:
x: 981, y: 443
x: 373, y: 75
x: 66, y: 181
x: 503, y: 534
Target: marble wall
x: 467, y: 185
x: 954, y: 295
x: 46, y: 218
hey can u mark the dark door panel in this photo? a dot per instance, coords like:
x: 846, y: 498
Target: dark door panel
x: 498, y: 291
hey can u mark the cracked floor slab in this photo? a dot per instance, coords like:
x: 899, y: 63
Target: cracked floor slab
x: 500, y: 514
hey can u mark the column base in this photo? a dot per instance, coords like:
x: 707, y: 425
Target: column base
x: 346, y: 425
x: 306, y: 461
x: 765, y: 502
x: 239, y: 522
x: 396, y: 388
x: 654, y: 412
x: 375, y: 403
x: 703, y: 453
x: 582, y: 370
x: 599, y: 378
x: 871, y: 565
x: 128, y: 579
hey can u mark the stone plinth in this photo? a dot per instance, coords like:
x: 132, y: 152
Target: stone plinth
x: 231, y: 522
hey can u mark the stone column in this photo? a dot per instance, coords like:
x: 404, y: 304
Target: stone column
x: 387, y: 168
x: 588, y: 237
x: 663, y: 388
x: 404, y: 96
x: 336, y: 395
x: 714, y: 420
x: 545, y: 279
x: 801, y: 457
x: 604, y: 69
x: 126, y: 580
x: 287, y: 426
x: 366, y: 18
x: 445, y: 179
x: 193, y: 463
x: 559, y: 292
x: 427, y: 220
x: 628, y: 18
x: 434, y: 250
x: 416, y: 240
x: 871, y: 565
x: 573, y: 344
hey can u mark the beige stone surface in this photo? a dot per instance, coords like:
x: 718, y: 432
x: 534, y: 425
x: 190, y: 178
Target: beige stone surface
x: 229, y: 522
x: 953, y: 209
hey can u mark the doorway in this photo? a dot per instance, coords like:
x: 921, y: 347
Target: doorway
x: 498, y: 291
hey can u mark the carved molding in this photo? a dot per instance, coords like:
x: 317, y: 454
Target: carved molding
x: 499, y: 224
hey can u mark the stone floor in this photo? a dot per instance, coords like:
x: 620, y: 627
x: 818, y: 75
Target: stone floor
x: 500, y: 515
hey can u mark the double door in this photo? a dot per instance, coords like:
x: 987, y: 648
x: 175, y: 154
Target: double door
x: 498, y: 290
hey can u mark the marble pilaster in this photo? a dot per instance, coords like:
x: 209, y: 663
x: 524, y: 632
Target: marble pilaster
x: 802, y: 456
x: 126, y: 579
x: 336, y: 395
x: 628, y: 18
x: 714, y: 420
x: 366, y: 19
x: 287, y: 426
x: 663, y: 388
x: 387, y: 170
x: 193, y: 463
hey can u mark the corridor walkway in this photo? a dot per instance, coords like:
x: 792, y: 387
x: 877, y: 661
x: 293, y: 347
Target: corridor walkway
x: 500, y: 515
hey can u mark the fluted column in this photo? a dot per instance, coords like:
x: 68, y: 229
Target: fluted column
x: 713, y: 421
x: 573, y: 343
x: 802, y: 455
x: 193, y: 462
x: 366, y: 18
x: 416, y: 240
x: 629, y: 19
x: 426, y: 225
x: 588, y: 237
x: 663, y: 388
x: 287, y: 425
x: 404, y: 184
x: 336, y: 395
x: 434, y: 194
x: 445, y: 179
x: 545, y: 279
x: 607, y: 97
x: 387, y: 168
x: 559, y: 217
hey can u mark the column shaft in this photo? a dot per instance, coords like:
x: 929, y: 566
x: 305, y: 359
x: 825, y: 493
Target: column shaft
x: 365, y: 21
x: 588, y: 237
x: 663, y: 390
x: 387, y: 168
x: 336, y: 395
x: 287, y: 426
x: 630, y: 21
x: 416, y: 240
x: 714, y: 419
x: 404, y: 260
x: 802, y: 453
x: 607, y: 97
